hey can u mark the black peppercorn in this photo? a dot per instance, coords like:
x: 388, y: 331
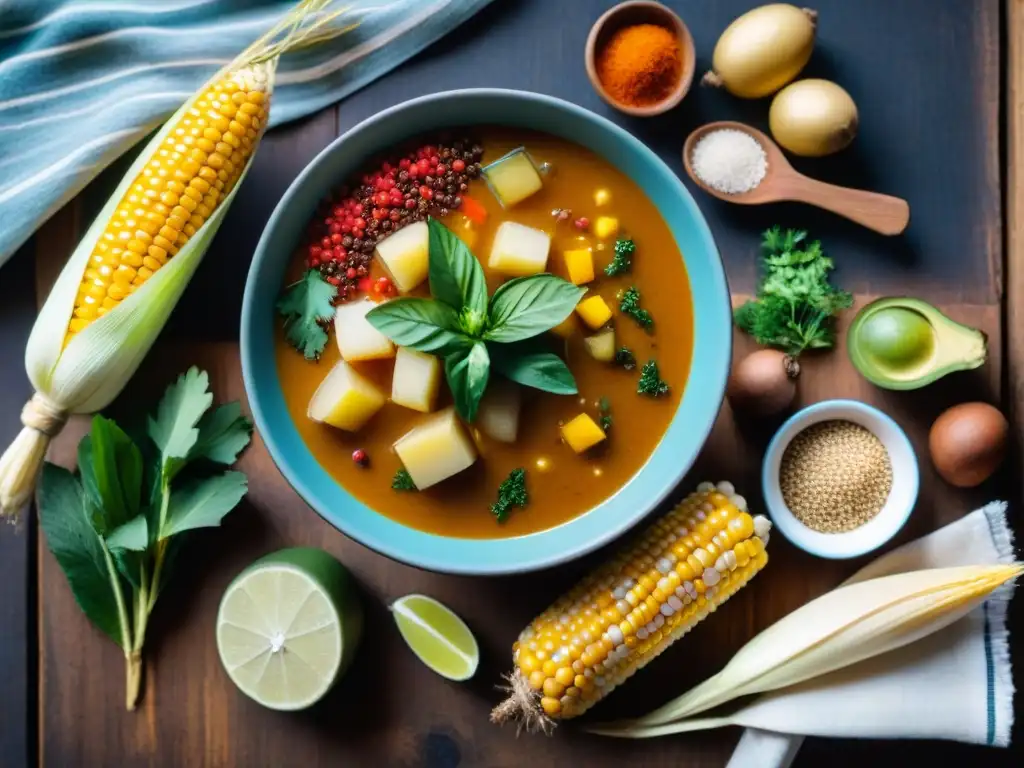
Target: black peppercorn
x: 428, y: 179
x: 403, y: 176
x: 386, y: 225
x: 346, y: 241
x: 456, y: 202
x: 463, y: 187
x: 357, y: 243
x: 443, y: 212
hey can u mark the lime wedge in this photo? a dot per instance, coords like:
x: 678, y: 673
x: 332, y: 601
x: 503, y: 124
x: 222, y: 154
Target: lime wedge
x: 288, y: 626
x: 440, y: 638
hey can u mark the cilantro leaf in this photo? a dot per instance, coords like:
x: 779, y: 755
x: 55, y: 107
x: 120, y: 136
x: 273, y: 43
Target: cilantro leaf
x: 511, y: 493
x: 629, y: 304
x: 604, y: 408
x: 306, y: 306
x: 402, y: 481
x: 795, y: 303
x: 650, y: 381
x: 223, y: 434
x: 622, y: 261
x: 174, y: 428
x: 203, y: 502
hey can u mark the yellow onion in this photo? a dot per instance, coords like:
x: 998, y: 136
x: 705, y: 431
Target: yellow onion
x: 812, y: 118
x: 763, y: 50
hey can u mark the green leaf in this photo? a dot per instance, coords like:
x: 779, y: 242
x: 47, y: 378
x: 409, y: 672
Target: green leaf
x: 79, y: 551
x: 456, y: 277
x: 511, y: 493
x: 402, y: 481
x: 111, y: 468
x: 422, y: 324
x: 650, y: 382
x: 467, y: 373
x: 540, y: 370
x: 203, y: 503
x: 133, y: 535
x: 305, y: 306
x: 174, y: 428
x: 527, y: 306
x: 223, y: 434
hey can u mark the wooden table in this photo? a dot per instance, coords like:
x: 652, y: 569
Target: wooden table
x: 927, y: 77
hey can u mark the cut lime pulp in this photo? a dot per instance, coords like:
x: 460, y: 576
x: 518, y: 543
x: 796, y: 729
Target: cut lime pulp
x: 288, y: 626
x: 437, y: 636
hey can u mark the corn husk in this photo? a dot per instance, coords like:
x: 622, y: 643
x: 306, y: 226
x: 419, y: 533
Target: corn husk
x: 847, y: 625
x: 85, y: 373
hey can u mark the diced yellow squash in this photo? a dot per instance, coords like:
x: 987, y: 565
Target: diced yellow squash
x: 436, y: 449
x: 606, y: 227
x: 513, y: 178
x: 594, y: 311
x: 601, y: 346
x: 345, y: 399
x: 566, y: 328
x: 580, y: 265
x: 405, y: 255
x: 519, y: 250
x: 416, y: 380
x: 357, y: 339
x: 498, y: 415
x: 582, y: 433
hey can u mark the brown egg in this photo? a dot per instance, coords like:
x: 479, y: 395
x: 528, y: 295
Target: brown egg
x: 968, y: 443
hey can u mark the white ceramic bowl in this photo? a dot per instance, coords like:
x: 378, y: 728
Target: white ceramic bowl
x: 884, y: 525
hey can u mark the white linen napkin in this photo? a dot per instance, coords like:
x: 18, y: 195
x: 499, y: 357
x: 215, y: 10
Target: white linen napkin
x: 955, y: 684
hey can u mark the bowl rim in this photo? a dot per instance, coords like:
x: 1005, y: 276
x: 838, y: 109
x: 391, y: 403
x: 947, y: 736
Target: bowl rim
x: 489, y: 558
x: 889, y: 520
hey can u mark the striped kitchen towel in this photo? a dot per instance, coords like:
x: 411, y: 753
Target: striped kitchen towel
x: 81, y: 81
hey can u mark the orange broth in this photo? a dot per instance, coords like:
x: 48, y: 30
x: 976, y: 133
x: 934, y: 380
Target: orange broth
x: 571, y: 484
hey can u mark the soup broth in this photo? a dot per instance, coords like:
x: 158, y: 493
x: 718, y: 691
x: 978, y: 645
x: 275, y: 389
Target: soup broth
x: 561, y: 483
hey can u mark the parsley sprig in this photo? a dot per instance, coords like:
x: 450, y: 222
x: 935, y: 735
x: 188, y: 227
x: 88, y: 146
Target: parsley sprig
x: 402, y: 481
x: 795, y: 306
x: 629, y: 304
x: 650, y: 382
x: 622, y: 261
x: 511, y: 493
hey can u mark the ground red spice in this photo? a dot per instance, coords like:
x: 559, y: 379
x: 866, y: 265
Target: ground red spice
x: 640, y: 65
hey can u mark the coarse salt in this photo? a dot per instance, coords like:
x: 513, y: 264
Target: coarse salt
x: 729, y: 161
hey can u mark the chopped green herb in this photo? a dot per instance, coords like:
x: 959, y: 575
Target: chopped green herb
x: 623, y: 260
x: 629, y: 304
x: 625, y: 358
x: 795, y: 305
x: 650, y: 381
x: 307, y: 306
x: 604, y: 406
x: 511, y: 493
x: 402, y: 481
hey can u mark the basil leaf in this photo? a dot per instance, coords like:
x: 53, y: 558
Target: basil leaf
x: 545, y: 371
x: 133, y: 535
x: 111, y: 468
x: 456, y: 277
x: 467, y: 373
x: 422, y: 324
x: 528, y: 306
x: 63, y: 516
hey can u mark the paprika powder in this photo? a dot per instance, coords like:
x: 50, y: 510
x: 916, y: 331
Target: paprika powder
x: 640, y: 65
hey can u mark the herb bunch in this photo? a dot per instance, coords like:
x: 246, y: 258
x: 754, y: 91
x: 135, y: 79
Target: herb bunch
x: 474, y: 335
x: 114, y: 526
x: 795, y: 306
x: 307, y: 306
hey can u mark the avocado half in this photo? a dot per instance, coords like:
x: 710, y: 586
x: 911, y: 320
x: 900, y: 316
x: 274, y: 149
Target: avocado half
x: 904, y: 343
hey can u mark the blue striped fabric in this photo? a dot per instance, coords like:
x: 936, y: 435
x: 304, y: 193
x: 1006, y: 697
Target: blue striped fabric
x: 81, y: 81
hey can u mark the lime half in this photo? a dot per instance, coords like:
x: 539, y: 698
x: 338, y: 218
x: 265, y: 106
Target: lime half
x: 439, y: 637
x: 288, y: 627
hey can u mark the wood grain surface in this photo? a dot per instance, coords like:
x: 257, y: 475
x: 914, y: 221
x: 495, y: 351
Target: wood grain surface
x: 926, y: 75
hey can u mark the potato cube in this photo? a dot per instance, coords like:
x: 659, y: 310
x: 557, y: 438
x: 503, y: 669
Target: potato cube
x: 416, y: 379
x: 357, y: 339
x: 601, y: 346
x: 582, y: 433
x: 345, y: 399
x: 606, y: 227
x: 580, y: 265
x: 594, y: 311
x: 513, y: 178
x: 498, y: 415
x: 519, y: 250
x: 405, y: 255
x: 436, y: 449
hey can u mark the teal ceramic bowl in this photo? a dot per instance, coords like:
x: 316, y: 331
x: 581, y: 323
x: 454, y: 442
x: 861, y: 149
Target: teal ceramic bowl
x: 686, y: 433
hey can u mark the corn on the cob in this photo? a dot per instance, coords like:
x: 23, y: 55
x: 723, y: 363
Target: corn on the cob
x: 182, y: 183
x: 623, y: 615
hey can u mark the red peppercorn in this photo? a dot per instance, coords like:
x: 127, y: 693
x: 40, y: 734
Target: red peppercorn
x: 340, y: 253
x: 414, y: 171
x: 325, y: 242
x: 338, y: 211
x: 426, y: 192
x: 434, y: 159
x: 350, y: 273
x: 360, y: 223
x: 314, y: 263
x: 410, y: 204
x: 458, y: 166
x: 404, y: 163
x: 336, y: 238
x: 582, y: 222
x: 315, y: 251
x: 423, y: 164
x: 333, y: 280
x: 442, y: 169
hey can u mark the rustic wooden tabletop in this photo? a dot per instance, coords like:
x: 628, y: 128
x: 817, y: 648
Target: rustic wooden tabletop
x: 930, y: 79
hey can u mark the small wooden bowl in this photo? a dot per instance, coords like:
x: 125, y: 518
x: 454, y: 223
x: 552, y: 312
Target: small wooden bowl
x: 641, y: 12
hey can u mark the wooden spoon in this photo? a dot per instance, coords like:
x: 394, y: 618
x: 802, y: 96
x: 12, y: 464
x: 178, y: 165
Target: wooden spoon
x: 882, y: 213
